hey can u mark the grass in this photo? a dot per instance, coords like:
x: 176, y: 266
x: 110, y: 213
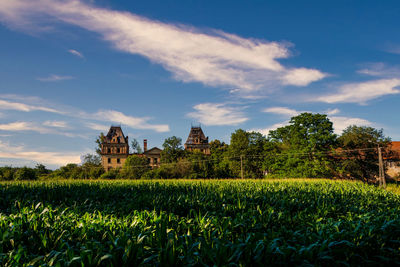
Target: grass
x: 198, y: 222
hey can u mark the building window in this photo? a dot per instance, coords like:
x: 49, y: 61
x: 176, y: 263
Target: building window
x: 108, y: 150
x: 118, y: 150
x: 109, y: 160
x: 148, y: 160
x: 155, y: 160
x: 118, y: 161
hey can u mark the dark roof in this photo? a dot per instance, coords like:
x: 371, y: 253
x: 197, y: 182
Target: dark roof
x: 196, y: 133
x: 115, y: 131
x: 154, y: 150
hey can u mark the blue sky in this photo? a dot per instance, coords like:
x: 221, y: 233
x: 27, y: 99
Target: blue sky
x: 70, y: 69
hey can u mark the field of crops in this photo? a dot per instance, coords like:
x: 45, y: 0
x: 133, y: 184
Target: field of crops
x: 250, y: 222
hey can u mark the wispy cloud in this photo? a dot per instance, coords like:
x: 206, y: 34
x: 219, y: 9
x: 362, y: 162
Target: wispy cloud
x: 362, y: 92
x: 211, y: 57
x: 112, y: 116
x: 380, y: 69
x: 97, y: 126
x: 45, y: 157
x: 55, y: 78
x: 265, y: 131
x: 76, y: 53
x: 56, y: 124
x: 217, y: 114
x: 282, y: 111
x: 10, y: 105
x: 339, y: 122
x: 23, y: 126
x: 133, y: 122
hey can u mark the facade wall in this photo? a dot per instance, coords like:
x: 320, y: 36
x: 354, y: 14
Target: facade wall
x: 111, y: 161
x: 199, y: 148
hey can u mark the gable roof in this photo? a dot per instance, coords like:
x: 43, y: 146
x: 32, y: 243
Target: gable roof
x: 115, y: 131
x: 196, y: 133
x: 154, y: 150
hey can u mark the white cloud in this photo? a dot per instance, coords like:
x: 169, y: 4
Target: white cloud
x: 265, y: 131
x: 53, y: 158
x: 76, y: 53
x: 332, y: 111
x: 211, y: 57
x: 133, y: 122
x: 97, y: 126
x: 54, y: 78
x: 102, y: 115
x: 217, y: 114
x: 56, y: 124
x: 282, y: 111
x: 302, y: 76
x: 8, y: 105
x: 380, y: 69
x: 22, y: 126
x: 362, y: 92
x: 339, y: 122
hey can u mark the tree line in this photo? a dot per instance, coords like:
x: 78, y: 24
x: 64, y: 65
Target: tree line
x: 306, y: 147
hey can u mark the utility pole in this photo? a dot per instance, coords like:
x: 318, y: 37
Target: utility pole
x: 241, y: 166
x: 382, y: 180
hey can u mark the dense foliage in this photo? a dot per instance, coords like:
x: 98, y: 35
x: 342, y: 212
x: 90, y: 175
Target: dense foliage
x: 306, y: 147
x: 234, y: 222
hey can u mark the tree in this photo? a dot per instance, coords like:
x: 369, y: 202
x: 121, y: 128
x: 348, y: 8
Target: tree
x: 41, y: 170
x: 358, y: 155
x: 90, y: 160
x: 134, y: 167
x: 247, y: 148
x: 302, y: 147
x: 136, y: 147
x: 219, y: 159
x: 172, y: 150
x: 25, y: 173
x: 7, y: 173
x: 99, y: 141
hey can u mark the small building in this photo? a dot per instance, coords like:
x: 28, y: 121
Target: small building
x: 153, y: 155
x: 197, y: 141
x: 114, y: 149
x: 392, y: 159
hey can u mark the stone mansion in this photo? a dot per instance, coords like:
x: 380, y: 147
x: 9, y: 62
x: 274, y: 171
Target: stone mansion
x: 115, y: 148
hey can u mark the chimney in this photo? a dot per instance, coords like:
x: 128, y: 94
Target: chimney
x: 144, y: 145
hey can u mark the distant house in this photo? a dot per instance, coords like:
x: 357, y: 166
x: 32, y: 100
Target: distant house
x: 197, y: 141
x: 392, y: 159
x: 115, y: 150
x: 153, y: 156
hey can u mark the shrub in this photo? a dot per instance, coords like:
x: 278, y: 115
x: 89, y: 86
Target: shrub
x: 25, y: 173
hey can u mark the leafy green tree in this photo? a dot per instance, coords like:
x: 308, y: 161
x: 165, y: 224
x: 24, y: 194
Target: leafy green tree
x: 136, y: 147
x: 302, y: 147
x: 7, y: 173
x: 247, y: 147
x: 41, y: 170
x: 134, y: 167
x: 91, y: 160
x: 358, y: 157
x: 200, y: 165
x: 172, y: 150
x: 219, y: 159
x: 25, y: 173
x: 99, y: 140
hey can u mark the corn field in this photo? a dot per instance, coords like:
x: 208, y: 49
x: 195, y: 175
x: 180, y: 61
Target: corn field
x: 198, y: 222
